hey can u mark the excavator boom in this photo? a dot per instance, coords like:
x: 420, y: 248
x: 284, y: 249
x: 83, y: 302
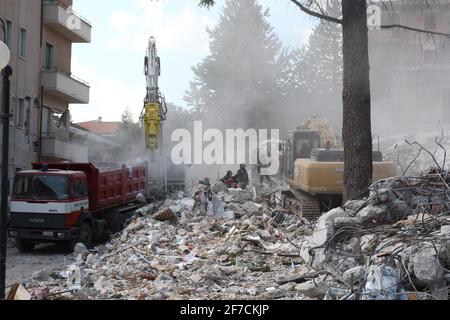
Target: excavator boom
x: 155, y: 109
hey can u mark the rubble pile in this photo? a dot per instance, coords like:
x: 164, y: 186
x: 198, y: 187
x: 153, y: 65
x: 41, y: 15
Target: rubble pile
x: 180, y: 253
x: 394, y: 245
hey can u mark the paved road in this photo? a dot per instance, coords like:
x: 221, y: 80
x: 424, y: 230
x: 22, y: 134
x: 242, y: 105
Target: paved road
x: 21, y: 266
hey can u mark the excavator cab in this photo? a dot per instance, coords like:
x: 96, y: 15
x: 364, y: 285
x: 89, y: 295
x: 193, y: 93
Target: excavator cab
x: 304, y: 142
x: 299, y: 145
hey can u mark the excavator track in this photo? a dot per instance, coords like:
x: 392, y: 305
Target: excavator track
x: 305, y: 205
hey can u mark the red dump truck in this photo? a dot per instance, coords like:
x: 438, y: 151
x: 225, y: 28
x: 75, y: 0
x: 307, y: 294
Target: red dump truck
x: 67, y: 203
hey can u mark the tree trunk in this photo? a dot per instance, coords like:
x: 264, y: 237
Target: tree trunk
x: 356, y: 132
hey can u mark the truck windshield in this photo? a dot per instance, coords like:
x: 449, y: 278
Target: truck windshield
x: 41, y: 187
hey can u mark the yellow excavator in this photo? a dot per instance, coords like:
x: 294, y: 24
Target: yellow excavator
x: 155, y: 108
x: 313, y: 168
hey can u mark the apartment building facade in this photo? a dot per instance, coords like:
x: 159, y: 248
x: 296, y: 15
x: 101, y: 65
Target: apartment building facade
x: 40, y: 34
x: 410, y: 71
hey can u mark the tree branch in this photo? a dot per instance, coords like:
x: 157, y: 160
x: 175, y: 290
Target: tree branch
x: 391, y: 26
x: 207, y: 3
x: 316, y: 14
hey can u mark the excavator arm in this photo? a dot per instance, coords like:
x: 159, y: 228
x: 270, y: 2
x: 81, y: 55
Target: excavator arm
x: 152, y: 124
x: 155, y: 108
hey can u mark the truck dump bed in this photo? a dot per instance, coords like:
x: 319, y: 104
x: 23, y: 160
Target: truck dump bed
x: 107, y: 189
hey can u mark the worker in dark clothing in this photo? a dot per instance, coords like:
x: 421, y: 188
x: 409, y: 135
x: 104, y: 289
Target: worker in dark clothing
x: 242, y: 177
x: 227, y: 177
x: 229, y: 180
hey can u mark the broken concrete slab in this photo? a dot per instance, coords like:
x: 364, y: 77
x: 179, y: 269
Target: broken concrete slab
x: 313, y: 288
x: 41, y: 275
x: 80, y: 248
x: 372, y: 215
x: 325, y: 227
x: 247, y: 257
x: 426, y: 266
x: 219, y: 187
x: 356, y: 274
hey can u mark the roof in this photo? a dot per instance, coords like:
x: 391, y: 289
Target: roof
x: 50, y: 172
x: 100, y: 127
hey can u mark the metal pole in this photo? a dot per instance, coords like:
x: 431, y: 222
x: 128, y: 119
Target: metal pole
x: 6, y: 74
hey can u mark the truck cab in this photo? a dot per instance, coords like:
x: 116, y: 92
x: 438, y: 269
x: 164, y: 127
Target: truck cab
x: 67, y: 203
x: 46, y: 206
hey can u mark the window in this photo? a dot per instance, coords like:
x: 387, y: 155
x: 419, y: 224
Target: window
x: 45, y: 120
x: 430, y: 20
x: 48, y: 56
x: 79, y: 189
x: 8, y: 34
x: 43, y: 187
x: 28, y: 113
x: 23, y: 43
x: 20, y: 114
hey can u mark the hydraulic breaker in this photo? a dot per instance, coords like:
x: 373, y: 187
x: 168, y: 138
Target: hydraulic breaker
x: 152, y: 123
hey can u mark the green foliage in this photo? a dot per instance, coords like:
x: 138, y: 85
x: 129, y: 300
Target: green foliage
x: 317, y: 71
x: 207, y: 3
x: 318, y: 65
x: 241, y: 82
x: 127, y: 117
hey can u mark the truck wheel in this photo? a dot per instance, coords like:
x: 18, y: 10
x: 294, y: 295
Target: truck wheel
x: 66, y: 246
x: 116, y: 221
x: 24, y: 245
x: 122, y: 221
x: 86, y: 235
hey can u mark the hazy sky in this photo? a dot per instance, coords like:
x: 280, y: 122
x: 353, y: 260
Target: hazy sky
x: 113, y: 62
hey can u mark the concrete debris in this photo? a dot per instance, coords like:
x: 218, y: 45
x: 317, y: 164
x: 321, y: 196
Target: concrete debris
x: 178, y: 253
x: 141, y: 198
x: 324, y: 229
x: 392, y: 245
x: 219, y: 187
x: 426, y: 265
x: 41, y: 275
x: 80, y: 248
x: 145, y: 211
x: 312, y: 288
x: 354, y: 275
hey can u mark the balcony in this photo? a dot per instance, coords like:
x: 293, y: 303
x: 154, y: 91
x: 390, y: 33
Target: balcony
x: 66, y: 21
x: 59, y: 148
x: 65, y: 86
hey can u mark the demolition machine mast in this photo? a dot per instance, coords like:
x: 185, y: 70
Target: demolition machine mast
x: 155, y: 108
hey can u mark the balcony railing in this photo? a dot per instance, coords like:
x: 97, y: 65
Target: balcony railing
x: 58, y: 147
x: 65, y: 85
